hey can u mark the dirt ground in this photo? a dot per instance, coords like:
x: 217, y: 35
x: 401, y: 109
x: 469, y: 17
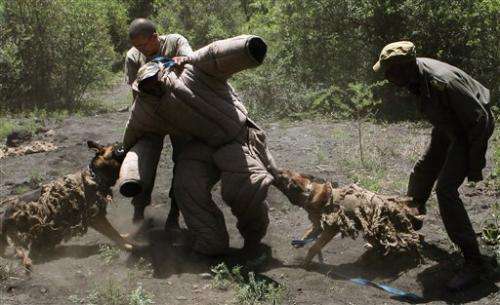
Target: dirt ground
x: 323, y: 148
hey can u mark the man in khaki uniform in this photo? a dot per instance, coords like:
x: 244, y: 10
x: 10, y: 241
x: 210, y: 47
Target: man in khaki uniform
x: 458, y: 107
x: 195, y: 99
x: 147, y: 44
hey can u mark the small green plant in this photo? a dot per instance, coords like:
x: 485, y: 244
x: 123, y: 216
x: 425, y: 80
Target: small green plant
x: 35, y: 178
x: 494, y: 178
x: 6, y: 127
x: 111, y: 293
x: 248, y: 292
x: 222, y: 276
x: 140, y: 297
x: 491, y: 229
x: 369, y: 174
x: 21, y: 189
x: 257, y: 291
x: 109, y: 254
x: 321, y: 156
x: 145, y: 267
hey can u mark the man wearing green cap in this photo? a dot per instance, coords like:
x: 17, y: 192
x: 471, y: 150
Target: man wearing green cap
x: 458, y: 107
x: 147, y: 44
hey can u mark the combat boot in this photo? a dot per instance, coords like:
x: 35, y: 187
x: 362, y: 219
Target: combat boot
x: 468, y: 276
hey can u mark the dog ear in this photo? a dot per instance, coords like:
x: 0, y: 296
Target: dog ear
x: 98, y: 148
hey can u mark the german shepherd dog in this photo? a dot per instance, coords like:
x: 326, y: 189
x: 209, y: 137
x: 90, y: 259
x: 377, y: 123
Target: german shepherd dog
x: 64, y: 208
x: 387, y: 223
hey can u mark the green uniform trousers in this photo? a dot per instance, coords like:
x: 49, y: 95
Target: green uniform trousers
x: 446, y: 161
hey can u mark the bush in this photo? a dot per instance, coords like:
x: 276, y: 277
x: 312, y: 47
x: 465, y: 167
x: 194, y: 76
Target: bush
x: 52, y: 52
x: 315, y: 46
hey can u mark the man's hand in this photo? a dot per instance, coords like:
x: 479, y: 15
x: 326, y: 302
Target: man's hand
x: 180, y: 61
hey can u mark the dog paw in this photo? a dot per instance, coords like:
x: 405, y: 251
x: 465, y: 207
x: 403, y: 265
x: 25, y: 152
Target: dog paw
x: 129, y: 247
x: 28, y: 265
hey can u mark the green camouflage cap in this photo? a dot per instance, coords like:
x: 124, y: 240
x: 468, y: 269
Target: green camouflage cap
x: 395, y: 53
x: 147, y: 71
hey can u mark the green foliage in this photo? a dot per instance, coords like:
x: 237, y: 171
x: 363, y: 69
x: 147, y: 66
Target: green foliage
x: 21, y: 189
x: 318, y: 49
x: 140, y: 297
x: 190, y: 18
x: 113, y: 292
x: 494, y: 179
x: 6, y: 127
x: 52, y: 52
x: 35, y: 178
x: 319, y: 60
x: 109, y: 254
x: 491, y: 229
x: 222, y: 276
x: 257, y: 291
x: 248, y: 292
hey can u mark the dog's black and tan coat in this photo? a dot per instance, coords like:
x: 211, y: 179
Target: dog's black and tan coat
x: 387, y: 223
x: 63, y: 208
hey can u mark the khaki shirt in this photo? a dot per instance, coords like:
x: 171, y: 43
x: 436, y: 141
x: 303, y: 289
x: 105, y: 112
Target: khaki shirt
x: 170, y: 46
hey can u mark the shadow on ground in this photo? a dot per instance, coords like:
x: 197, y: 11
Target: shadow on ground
x: 384, y: 270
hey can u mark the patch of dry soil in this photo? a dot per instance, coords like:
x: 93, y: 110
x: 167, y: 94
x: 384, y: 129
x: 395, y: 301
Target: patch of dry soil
x: 323, y: 148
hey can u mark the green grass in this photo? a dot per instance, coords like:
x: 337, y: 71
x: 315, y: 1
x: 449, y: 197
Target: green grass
x: 109, y: 254
x: 21, y: 189
x: 321, y: 156
x: 30, y: 121
x: 223, y: 277
x: 247, y: 292
x: 35, y: 178
x: 369, y: 175
x: 491, y: 229
x: 140, y: 297
x: 144, y: 266
x: 494, y: 178
x: 6, y: 127
x: 257, y: 291
x: 112, y: 292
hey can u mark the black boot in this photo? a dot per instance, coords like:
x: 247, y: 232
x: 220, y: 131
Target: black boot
x: 172, y: 222
x: 138, y: 214
x: 468, y: 276
x: 417, y: 222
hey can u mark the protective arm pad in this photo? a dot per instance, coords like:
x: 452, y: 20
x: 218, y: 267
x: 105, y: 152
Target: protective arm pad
x: 223, y: 58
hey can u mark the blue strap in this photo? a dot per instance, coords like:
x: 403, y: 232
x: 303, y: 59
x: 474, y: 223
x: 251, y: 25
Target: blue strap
x: 395, y: 292
x: 165, y: 61
x: 302, y: 242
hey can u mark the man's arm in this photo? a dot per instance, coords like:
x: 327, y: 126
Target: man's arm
x: 183, y: 47
x: 474, y: 120
x: 130, y: 69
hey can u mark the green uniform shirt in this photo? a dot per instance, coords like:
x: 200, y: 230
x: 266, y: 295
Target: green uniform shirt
x: 170, y: 46
x: 456, y: 104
